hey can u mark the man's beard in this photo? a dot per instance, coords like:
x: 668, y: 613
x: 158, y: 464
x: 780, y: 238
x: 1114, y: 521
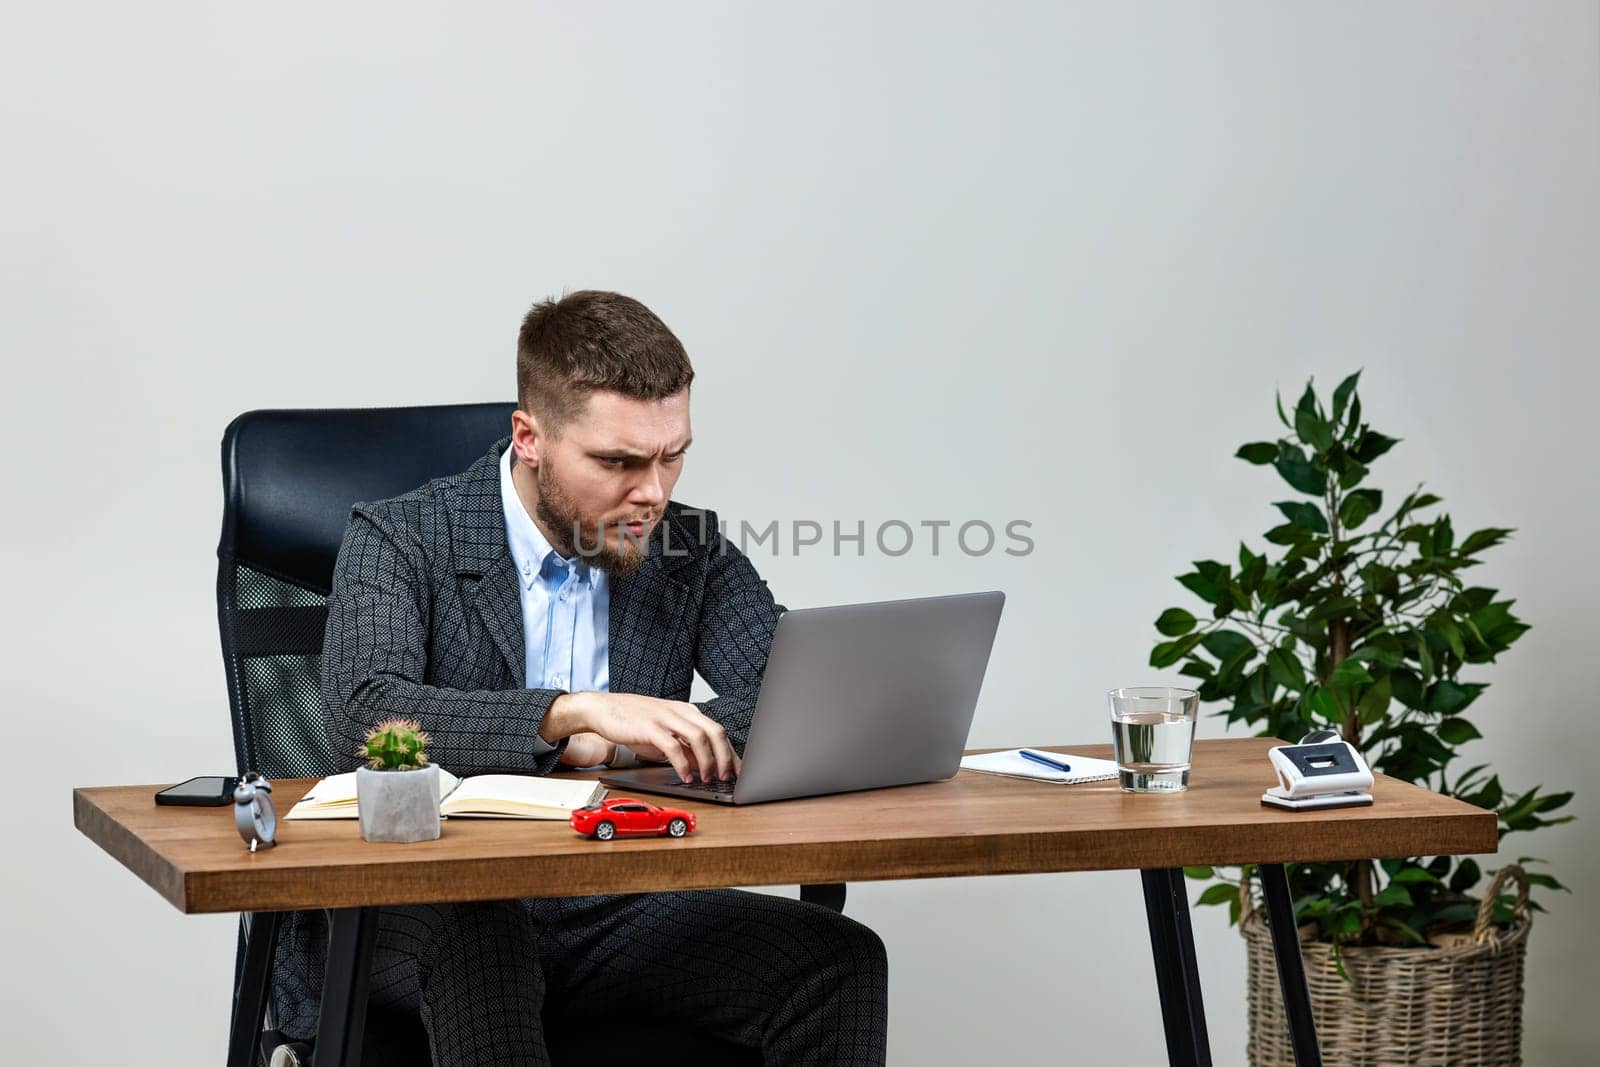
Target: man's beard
x: 573, y: 532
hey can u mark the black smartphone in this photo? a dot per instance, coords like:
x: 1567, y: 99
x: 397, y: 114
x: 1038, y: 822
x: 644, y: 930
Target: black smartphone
x: 212, y: 792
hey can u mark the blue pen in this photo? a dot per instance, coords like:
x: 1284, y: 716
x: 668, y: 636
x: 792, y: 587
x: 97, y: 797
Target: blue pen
x: 1055, y: 763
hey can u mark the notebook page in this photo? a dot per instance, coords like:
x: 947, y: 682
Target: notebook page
x: 335, y: 796
x: 520, y: 794
x: 1011, y: 763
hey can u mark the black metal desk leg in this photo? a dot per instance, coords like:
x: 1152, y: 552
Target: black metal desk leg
x: 1166, y: 905
x: 250, y: 992
x: 1291, y: 966
x: 344, y: 987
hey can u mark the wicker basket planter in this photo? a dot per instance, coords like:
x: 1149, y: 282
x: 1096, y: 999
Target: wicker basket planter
x: 1458, y: 1005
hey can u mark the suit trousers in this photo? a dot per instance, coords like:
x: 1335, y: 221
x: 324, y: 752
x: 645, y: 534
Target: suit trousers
x: 806, y: 985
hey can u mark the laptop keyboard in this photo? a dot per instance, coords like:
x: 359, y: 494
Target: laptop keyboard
x: 710, y: 787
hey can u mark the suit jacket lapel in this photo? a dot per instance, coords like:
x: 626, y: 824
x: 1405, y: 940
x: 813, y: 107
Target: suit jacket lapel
x: 498, y: 598
x: 478, y: 541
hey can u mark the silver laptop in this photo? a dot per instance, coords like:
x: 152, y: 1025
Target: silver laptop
x: 859, y: 696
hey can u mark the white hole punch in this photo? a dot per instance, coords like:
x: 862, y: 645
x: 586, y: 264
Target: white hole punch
x: 1320, y: 772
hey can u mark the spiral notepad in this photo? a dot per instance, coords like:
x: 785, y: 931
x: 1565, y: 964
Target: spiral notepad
x: 1011, y: 764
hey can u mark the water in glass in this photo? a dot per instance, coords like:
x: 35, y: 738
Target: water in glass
x: 1153, y: 750
x: 1152, y: 728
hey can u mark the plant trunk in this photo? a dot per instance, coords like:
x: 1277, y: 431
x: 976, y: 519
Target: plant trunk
x: 1358, y: 875
x: 1338, y: 652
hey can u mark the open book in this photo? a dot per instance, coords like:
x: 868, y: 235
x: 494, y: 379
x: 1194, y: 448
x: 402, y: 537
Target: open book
x: 493, y: 796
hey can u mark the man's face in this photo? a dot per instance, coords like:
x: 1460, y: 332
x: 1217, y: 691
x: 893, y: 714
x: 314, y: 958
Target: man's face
x: 612, y: 470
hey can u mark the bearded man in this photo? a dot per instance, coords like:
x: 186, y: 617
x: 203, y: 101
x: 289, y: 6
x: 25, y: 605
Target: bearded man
x: 548, y: 607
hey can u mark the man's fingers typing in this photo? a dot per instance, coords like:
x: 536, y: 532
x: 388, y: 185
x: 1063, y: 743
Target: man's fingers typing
x: 699, y: 745
x: 667, y: 742
x: 683, y: 735
x: 708, y: 739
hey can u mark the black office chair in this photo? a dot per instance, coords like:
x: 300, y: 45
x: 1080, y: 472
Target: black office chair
x: 290, y: 478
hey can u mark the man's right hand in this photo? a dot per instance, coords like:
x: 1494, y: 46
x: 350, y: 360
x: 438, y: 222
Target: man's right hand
x: 674, y: 730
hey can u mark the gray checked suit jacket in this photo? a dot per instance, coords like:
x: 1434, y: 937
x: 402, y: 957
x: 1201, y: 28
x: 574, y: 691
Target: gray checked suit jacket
x: 425, y: 620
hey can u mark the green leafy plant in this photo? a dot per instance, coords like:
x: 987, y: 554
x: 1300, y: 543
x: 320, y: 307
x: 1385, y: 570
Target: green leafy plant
x: 1361, y: 625
x: 395, y: 745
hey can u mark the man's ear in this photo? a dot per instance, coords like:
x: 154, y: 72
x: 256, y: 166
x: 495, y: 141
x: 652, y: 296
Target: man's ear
x: 527, y: 441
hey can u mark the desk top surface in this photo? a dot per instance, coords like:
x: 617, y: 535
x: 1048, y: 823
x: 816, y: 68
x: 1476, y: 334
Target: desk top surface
x: 971, y: 824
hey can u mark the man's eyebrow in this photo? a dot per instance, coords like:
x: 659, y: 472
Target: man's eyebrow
x: 628, y: 453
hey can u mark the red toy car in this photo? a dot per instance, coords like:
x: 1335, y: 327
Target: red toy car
x: 624, y: 815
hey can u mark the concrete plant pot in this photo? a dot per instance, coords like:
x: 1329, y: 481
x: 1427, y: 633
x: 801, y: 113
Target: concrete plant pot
x: 398, y: 806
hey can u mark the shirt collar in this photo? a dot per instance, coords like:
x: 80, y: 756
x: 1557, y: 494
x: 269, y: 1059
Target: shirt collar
x: 530, y: 549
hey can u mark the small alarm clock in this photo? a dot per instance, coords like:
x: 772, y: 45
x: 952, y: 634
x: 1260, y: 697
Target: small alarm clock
x: 253, y: 812
x: 1319, y: 772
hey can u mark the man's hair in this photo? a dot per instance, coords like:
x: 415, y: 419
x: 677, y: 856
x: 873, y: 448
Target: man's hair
x: 591, y: 340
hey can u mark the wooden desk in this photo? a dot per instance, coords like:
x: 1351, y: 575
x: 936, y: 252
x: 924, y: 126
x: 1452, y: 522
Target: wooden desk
x: 973, y: 824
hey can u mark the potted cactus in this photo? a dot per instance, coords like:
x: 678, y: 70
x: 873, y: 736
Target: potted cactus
x: 397, y: 790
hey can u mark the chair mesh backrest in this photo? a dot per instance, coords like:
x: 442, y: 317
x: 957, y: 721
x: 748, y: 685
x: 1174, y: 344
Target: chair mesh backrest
x: 282, y: 691
x: 290, y: 478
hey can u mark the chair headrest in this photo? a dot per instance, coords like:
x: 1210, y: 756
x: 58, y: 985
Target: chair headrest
x: 291, y: 476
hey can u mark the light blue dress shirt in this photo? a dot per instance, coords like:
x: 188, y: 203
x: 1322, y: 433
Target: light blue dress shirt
x: 566, y: 606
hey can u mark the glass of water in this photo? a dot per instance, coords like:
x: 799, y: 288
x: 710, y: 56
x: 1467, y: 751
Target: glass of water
x: 1152, y: 728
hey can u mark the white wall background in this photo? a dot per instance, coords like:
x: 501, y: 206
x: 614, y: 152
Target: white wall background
x: 931, y: 261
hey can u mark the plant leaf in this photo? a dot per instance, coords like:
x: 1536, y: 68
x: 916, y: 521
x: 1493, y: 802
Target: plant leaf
x: 1341, y: 395
x: 1350, y: 672
x: 1332, y: 608
x: 1226, y: 644
x: 1479, y: 540
x: 1259, y: 453
x: 1392, y: 896
x: 1358, y: 506
x: 1208, y: 581
x: 1303, y: 514
x: 1313, y: 429
x: 1286, y: 669
x: 1457, y: 731
x: 1374, y: 703
x: 1466, y: 876
x: 1547, y: 882
x: 1372, y: 444
x: 1308, y: 399
x: 1287, y: 534
x: 1299, y: 471
x: 1175, y: 622
x: 1455, y: 913
x: 1406, y: 932
x: 1553, y: 801
x: 1351, y: 473
x: 1167, y: 653
x: 1450, y: 697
